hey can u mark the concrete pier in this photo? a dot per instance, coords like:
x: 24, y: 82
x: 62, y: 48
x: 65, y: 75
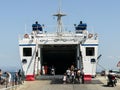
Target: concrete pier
x: 98, y: 83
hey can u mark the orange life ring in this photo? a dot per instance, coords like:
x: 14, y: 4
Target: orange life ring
x: 90, y: 35
x: 26, y: 36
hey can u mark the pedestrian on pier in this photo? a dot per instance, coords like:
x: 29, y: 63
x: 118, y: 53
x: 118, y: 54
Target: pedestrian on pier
x: 78, y: 75
x: 46, y: 69
x: 43, y: 70
x: 64, y: 78
x: 20, y: 76
x: 73, y: 76
x: 8, y: 78
x: 0, y: 76
x: 16, y: 78
x: 82, y: 75
x: 53, y: 70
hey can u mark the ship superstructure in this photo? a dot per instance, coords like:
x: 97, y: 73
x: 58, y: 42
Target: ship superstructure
x: 59, y: 49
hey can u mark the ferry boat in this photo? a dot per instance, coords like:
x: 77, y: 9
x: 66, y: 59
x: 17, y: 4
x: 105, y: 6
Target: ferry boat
x: 59, y: 49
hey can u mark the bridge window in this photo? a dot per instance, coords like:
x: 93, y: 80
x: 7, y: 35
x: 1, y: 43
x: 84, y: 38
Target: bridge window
x: 90, y: 51
x: 27, y: 51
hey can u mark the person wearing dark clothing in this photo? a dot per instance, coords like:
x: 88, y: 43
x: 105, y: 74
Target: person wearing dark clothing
x: 16, y: 78
x: 23, y: 77
x: 82, y: 76
x: 0, y: 75
x: 68, y: 72
x: 8, y: 78
x: 111, y: 79
x: 20, y: 76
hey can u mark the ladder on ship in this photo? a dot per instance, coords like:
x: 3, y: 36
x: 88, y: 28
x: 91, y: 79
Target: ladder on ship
x: 80, y: 53
x: 34, y: 59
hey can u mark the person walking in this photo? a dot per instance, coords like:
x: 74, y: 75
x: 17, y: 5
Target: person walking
x: 16, y: 78
x: 8, y: 78
x: 0, y: 76
x: 20, y: 76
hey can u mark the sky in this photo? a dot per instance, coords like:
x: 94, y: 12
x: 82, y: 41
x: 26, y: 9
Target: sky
x: 101, y: 16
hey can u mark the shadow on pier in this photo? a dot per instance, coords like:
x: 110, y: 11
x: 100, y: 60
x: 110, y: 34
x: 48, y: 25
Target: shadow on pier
x: 58, y: 79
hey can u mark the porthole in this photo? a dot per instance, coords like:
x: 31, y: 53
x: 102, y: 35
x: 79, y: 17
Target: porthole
x: 93, y: 60
x: 24, y: 61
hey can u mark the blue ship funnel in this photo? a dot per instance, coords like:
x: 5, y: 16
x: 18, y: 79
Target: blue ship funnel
x: 81, y: 26
x: 37, y: 27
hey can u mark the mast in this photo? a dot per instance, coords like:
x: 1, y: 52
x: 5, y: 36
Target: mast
x: 59, y: 15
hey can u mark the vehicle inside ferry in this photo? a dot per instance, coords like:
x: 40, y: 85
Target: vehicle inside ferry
x: 59, y: 56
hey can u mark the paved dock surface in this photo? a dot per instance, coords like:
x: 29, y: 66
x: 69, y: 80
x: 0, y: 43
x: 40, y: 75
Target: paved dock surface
x: 99, y: 83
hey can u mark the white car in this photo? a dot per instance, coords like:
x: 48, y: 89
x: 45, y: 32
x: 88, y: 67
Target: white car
x: 117, y: 73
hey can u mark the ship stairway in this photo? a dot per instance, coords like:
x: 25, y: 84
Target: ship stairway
x: 80, y: 53
x: 81, y: 60
x: 49, y: 77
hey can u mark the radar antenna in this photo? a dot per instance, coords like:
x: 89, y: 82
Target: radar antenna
x: 59, y: 20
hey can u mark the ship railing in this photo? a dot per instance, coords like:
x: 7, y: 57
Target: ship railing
x: 64, y: 37
x: 68, y: 36
x: 92, y: 36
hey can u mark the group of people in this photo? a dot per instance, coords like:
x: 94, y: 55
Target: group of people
x: 7, y: 77
x: 48, y: 70
x: 73, y: 74
x: 19, y: 77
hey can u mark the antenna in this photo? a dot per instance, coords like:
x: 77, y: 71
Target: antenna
x: 59, y: 6
x: 59, y: 20
x: 25, y: 28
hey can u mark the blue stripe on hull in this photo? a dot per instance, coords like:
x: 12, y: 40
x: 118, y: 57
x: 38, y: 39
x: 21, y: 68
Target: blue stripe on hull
x: 35, y: 44
x: 89, y: 44
x: 27, y: 44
